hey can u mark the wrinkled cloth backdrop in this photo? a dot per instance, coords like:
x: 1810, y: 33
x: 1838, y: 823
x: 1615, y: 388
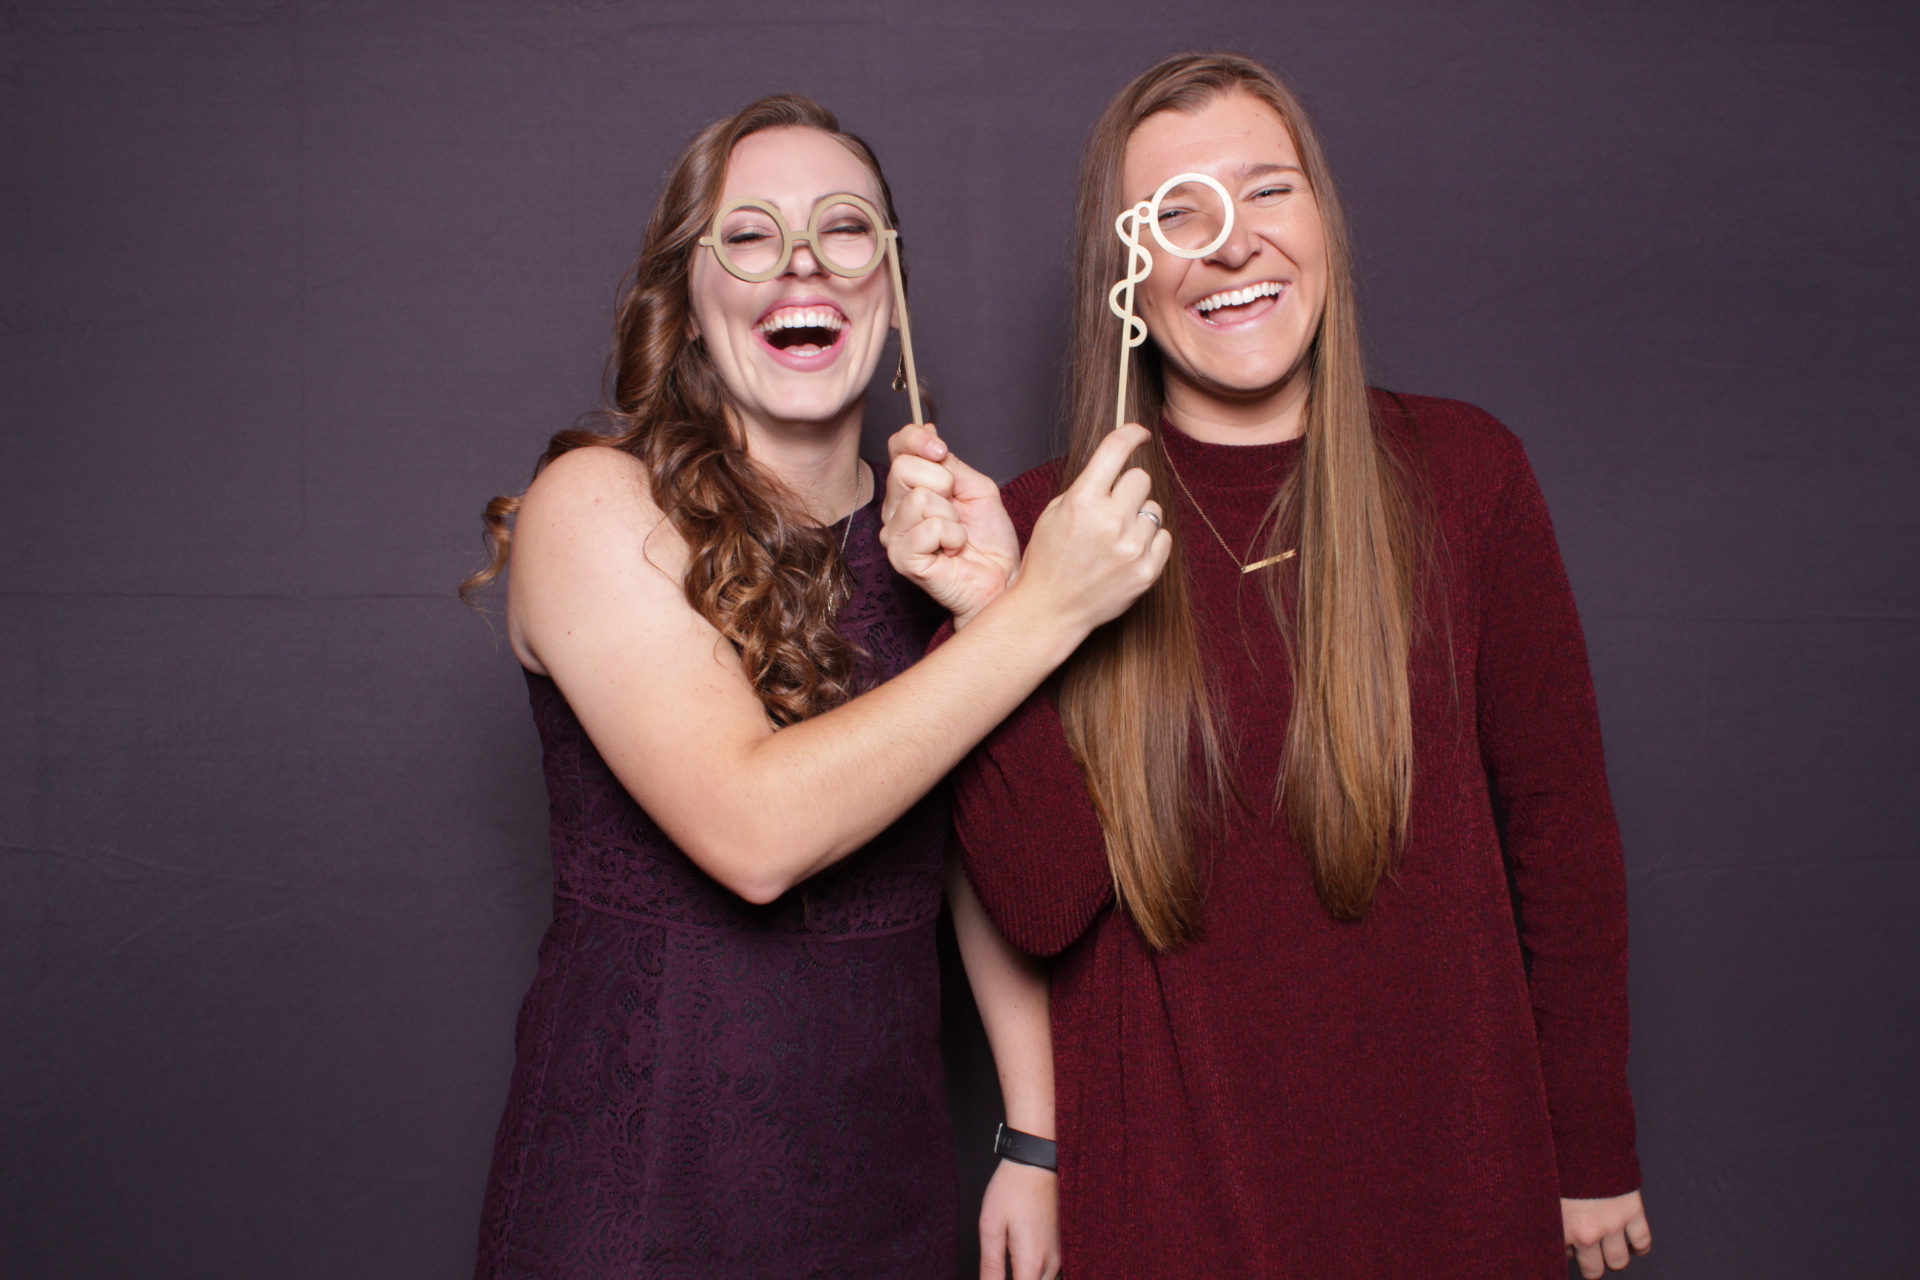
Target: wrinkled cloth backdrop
x: 291, y: 289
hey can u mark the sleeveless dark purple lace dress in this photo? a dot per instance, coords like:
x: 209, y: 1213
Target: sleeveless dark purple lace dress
x: 709, y: 1088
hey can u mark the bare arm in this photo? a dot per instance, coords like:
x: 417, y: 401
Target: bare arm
x: 1020, y: 1215
x: 596, y: 603
x: 1012, y: 991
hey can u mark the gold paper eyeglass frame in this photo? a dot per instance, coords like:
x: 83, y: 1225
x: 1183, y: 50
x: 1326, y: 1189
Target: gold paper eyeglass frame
x: 1133, y: 329
x: 889, y: 248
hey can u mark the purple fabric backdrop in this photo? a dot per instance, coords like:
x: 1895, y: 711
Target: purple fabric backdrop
x: 291, y: 289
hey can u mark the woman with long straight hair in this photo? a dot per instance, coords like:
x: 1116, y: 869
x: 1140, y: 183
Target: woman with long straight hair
x: 1316, y: 837
x: 728, y: 1064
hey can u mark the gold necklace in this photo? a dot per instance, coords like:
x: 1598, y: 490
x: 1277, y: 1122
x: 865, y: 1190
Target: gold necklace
x: 833, y: 604
x: 859, y: 479
x: 1193, y: 502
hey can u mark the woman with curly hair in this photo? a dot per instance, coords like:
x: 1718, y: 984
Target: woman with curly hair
x: 728, y: 1064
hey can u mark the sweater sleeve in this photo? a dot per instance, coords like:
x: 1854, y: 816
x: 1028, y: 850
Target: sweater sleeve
x: 1539, y: 732
x: 1029, y: 836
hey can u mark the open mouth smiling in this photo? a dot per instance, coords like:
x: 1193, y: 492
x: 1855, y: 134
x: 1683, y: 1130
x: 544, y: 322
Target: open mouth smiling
x: 802, y: 330
x: 1247, y: 302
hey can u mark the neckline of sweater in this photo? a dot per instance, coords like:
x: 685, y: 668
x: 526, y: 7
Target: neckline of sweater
x: 1205, y: 465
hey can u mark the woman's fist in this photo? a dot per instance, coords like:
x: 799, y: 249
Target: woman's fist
x: 943, y: 526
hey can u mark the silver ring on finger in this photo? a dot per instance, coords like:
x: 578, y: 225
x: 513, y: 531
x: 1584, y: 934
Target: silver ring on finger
x: 1153, y: 516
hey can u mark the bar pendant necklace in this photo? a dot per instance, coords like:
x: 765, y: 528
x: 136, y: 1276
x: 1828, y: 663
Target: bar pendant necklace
x: 1193, y: 502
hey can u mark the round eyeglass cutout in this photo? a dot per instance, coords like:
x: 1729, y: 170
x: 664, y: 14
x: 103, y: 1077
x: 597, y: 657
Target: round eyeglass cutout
x: 1198, y: 224
x: 755, y: 244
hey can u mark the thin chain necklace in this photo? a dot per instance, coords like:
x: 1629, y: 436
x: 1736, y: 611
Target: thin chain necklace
x: 847, y: 532
x: 1193, y: 502
x: 859, y: 479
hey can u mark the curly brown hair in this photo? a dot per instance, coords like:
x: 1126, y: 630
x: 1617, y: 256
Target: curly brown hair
x: 757, y: 570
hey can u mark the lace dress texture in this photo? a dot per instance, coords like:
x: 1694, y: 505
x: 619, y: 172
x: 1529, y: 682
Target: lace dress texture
x: 705, y: 1087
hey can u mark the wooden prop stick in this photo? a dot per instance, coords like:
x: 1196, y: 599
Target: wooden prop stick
x: 1133, y: 330
x: 906, y: 330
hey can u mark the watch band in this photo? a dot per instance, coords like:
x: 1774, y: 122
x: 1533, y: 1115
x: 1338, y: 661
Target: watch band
x: 1024, y: 1148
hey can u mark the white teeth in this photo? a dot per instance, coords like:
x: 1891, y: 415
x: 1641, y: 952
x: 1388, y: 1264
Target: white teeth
x: 1238, y: 297
x: 803, y: 318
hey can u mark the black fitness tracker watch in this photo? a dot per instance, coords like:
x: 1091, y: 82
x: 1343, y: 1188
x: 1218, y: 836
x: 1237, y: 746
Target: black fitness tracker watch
x: 1024, y: 1148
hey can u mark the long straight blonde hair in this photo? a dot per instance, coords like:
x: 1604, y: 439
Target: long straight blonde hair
x: 1135, y: 698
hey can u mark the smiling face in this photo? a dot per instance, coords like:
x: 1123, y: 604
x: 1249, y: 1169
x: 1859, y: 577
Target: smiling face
x: 801, y: 347
x: 1235, y: 326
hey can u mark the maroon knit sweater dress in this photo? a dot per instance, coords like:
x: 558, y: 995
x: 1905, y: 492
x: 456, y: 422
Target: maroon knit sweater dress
x: 1290, y: 1095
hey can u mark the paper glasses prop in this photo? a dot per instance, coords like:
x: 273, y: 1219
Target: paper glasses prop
x: 1189, y: 228
x: 847, y: 236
